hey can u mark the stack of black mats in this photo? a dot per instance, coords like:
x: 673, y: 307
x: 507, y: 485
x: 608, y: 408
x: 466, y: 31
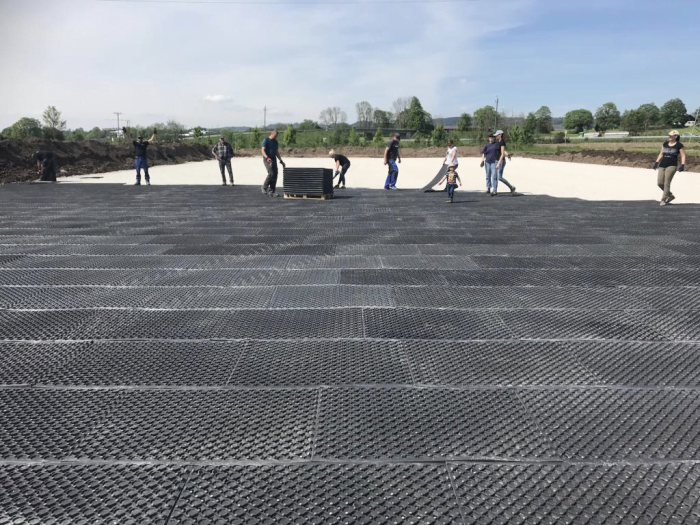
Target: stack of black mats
x: 311, y: 182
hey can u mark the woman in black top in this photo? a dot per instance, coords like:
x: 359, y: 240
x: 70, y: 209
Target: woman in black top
x: 667, y: 164
x: 342, y: 165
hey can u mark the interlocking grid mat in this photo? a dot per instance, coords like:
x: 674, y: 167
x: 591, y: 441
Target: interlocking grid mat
x: 209, y: 355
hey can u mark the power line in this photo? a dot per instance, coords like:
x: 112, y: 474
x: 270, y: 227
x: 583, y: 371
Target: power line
x: 297, y: 2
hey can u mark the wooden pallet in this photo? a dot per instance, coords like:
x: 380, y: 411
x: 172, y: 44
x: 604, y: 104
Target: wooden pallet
x: 323, y: 197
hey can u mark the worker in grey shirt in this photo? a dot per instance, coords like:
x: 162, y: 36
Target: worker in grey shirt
x: 223, y: 153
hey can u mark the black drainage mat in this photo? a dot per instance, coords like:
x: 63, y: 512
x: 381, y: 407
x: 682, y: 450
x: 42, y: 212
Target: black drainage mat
x: 137, y: 363
x: 323, y: 494
x: 58, y: 494
x: 206, y: 425
x: 495, y: 363
x: 333, y: 362
x: 665, y: 494
x: 641, y: 364
x: 49, y: 424
x: 383, y: 423
x: 25, y: 363
x: 414, y: 323
x: 619, y: 424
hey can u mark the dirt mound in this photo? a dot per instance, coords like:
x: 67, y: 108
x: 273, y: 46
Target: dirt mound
x: 79, y: 158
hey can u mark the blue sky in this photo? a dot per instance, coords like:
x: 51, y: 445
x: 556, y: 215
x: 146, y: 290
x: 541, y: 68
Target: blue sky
x: 219, y: 64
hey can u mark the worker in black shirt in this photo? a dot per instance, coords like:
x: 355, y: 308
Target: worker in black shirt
x: 342, y: 165
x: 667, y: 164
x: 140, y: 158
x: 45, y: 165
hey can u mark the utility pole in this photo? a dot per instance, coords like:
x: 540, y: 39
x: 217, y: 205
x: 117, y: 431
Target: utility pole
x: 265, y: 117
x: 118, y: 113
x: 495, y: 120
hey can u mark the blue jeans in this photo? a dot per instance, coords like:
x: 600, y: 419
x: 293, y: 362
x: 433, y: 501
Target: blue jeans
x: 141, y: 162
x: 500, y: 175
x: 451, y: 190
x: 491, y: 176
x: 392, y: 175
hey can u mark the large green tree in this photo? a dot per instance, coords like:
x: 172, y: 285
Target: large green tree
x: 607, y: 117
x: 382, y: 118
x: 578, y: 120
x: 77, y: 135
x: 308, y: 125
x: 96, y: 134
x: 528, y: 129
x: 674, y: 112
x: 54, y: 125
x: 378, y: 138
x: 439, y: 136
x: 634, y: 120
x: 418, y: 118
x: 290, y: 136
x: 465, y: 122
x: 651, y: 113
x: 544, y: 120
x: 25, y: 128
x: 485, y: 119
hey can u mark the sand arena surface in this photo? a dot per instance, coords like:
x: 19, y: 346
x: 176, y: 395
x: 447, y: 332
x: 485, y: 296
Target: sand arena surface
x: 539, y: 177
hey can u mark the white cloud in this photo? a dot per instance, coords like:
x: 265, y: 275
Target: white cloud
x: 217, y: 99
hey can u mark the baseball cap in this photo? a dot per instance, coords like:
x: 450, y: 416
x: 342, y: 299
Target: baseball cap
x: 222, y: 137
x: 397, y: 135
x: 674, y: 132
x: 499, y: 132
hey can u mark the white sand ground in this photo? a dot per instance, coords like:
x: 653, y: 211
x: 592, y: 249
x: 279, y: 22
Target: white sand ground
x: 558, y: 179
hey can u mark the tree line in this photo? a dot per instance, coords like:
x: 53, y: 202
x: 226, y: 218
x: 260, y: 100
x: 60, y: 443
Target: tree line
x: 406, y: 113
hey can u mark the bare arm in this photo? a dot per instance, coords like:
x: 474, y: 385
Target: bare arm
x: 280, y: 158
x: 264, y: 154
x: 503, y: 155
x: 661, y: 154
x: 682, y: 155
x: 337, y: 164
x: 152, y: 139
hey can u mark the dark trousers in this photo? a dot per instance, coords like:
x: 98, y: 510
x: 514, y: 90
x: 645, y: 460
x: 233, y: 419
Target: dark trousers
x: 48, y: 171
x: 270, y: 183
x: 451, y: 190
x: 225, y: 164
x: 139, y: 163
x: 343, y: 170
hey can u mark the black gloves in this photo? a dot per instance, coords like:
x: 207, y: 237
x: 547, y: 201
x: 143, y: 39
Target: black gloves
x: 655, y: 166
x: 124, y: 130
x: 155, y: 131
x: 336, y: 174
x: 510, y: 157
x: 482, y: 164
x: 681, y: 167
